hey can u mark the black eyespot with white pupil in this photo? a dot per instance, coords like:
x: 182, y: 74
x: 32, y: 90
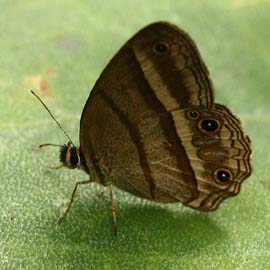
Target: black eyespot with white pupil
x: 161, y: 48
x: 223, y: 175
x: 193, y: 114
x: 209, y: 125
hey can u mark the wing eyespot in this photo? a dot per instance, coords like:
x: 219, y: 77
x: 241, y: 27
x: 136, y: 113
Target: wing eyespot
x: 223, y: 176
x: 209, y: 125
x: 161, y: 48
x: 192, y: 114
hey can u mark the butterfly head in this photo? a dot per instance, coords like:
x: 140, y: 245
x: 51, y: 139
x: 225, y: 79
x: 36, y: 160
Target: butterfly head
x: 70, y: 156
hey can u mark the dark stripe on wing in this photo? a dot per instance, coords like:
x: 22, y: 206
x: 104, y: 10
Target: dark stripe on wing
x: 173, y: 142
x: 172, y: 75
x: 136, y: 137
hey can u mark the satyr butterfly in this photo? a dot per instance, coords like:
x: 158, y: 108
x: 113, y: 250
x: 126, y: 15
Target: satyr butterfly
x: 150, y: 126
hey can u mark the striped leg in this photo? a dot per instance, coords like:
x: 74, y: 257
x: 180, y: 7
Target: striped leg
x: 113, y: 210
x: 61, y: 219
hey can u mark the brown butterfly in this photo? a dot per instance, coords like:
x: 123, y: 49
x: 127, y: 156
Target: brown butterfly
x: 150, y: 126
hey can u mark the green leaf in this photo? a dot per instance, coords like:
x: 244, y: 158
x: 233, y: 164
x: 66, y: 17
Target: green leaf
x: 59, y: 48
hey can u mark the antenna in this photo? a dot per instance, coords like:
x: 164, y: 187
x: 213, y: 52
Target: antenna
x: 40, y: 100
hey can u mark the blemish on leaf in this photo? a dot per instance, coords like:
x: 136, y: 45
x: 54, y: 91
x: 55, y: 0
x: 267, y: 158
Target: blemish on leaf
x: 239, y: 3
x: 265, y: 183
x: 51, y: 72
x: 39, y: 83
x: 69, y: 43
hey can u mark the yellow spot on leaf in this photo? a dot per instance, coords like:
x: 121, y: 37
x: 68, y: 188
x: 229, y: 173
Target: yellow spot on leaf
x: 248, y: 2
x: 37, y: 82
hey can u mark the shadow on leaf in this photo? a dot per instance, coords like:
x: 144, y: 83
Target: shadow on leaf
x: 142, y: 228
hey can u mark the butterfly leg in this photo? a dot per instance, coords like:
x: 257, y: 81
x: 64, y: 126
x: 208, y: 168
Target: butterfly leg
x: 61, y: 219
x: 113, y: 209
x: 106, y: 182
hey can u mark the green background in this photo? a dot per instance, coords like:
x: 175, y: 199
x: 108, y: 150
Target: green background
x: 59, y: 48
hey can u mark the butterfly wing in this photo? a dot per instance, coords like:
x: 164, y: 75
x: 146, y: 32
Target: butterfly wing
x: 169, y: 61
x: 128, y: 125
x: 219, y: 154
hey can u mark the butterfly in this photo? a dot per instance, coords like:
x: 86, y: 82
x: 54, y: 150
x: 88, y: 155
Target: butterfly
x: 151, y: 126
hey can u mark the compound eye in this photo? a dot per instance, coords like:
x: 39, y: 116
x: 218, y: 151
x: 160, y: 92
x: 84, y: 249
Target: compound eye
x: 223, y: 175
x: 209, y: 125
x: 73, y: 157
